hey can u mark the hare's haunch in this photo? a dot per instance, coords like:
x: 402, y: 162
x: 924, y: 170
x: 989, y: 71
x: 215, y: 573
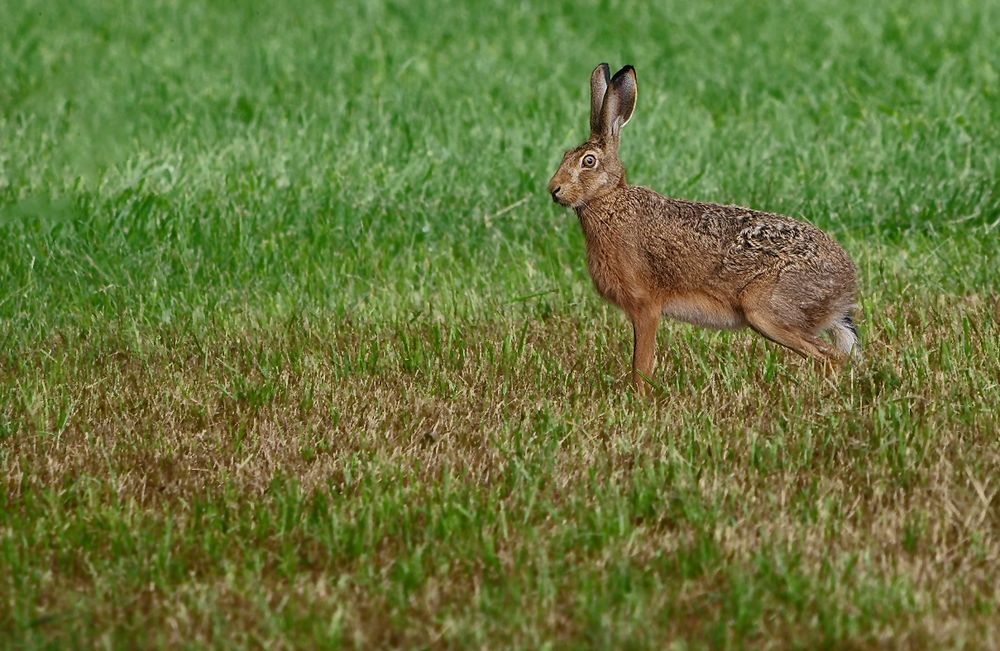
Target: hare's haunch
x: 712, y: 265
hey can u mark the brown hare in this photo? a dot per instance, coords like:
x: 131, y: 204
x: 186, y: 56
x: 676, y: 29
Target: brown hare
x: 712, y: 265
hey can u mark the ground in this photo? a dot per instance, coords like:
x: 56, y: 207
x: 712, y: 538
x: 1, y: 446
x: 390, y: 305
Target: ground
x: 298, y: 352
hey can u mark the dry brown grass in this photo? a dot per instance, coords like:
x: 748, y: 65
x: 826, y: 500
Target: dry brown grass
x: 492, y: 483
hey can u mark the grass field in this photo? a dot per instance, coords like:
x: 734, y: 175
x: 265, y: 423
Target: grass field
x: 295, y: 350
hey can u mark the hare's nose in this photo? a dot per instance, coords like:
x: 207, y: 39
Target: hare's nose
x: 555, y: 193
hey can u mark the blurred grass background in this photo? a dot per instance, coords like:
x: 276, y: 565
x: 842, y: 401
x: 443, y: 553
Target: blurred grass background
x: 169, y: 159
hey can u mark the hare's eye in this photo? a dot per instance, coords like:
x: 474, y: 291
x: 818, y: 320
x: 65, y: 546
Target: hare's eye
x: 589, y: 160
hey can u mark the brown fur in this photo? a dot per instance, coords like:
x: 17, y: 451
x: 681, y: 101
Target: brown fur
x: 712, y: 265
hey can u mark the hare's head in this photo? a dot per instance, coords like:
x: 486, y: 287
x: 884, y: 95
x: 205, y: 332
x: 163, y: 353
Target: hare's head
x: 593, y: 169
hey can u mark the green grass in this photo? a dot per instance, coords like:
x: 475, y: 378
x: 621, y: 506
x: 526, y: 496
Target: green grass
x: 295, y: 351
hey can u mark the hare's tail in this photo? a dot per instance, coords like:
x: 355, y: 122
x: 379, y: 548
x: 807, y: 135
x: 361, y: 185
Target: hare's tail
x: 845, y: 337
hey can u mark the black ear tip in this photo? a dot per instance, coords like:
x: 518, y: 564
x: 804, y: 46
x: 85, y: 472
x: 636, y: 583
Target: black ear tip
x: 624, y: 71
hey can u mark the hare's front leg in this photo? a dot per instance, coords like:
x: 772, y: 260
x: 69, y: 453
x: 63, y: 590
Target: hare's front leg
x: 644, y: 324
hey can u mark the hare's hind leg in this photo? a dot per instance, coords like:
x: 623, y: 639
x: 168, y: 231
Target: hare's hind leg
x: 780, y: 332
x: 785, y: 310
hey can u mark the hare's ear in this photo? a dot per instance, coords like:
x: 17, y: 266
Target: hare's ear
x: 599, y: 80
x: 619, y: 103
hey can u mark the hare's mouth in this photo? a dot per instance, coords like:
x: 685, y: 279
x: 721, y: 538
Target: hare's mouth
x: 560, y: 198
x: 559, y: 195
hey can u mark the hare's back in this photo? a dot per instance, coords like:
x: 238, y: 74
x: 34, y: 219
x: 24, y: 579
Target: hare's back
x: 742, y: 233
